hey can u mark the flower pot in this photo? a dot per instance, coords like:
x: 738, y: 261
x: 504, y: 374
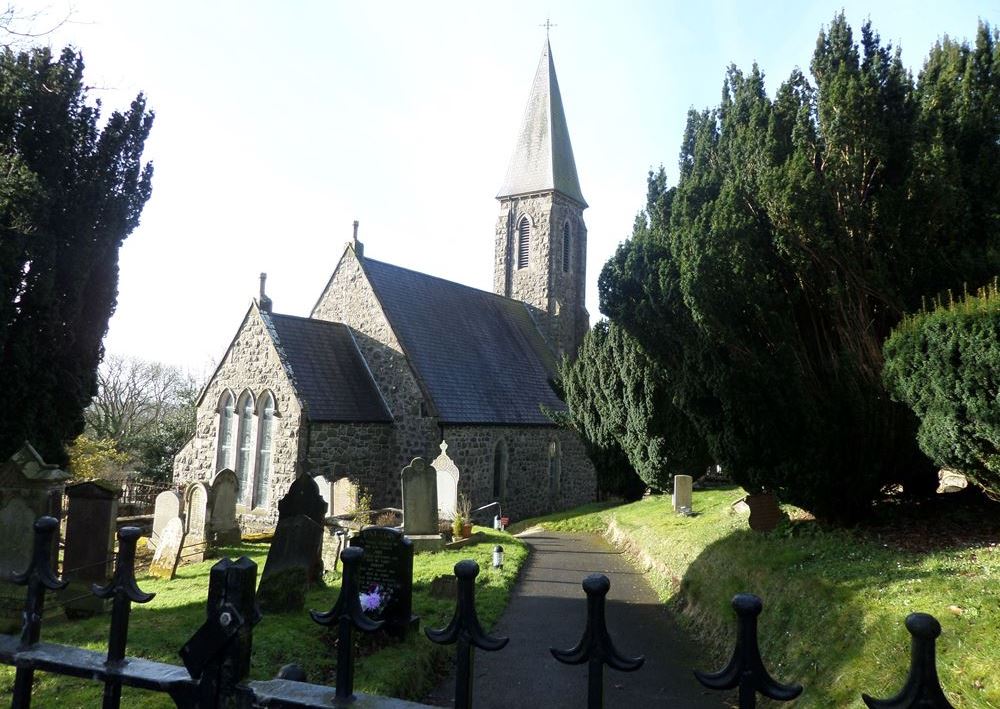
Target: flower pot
x: 466, y: 530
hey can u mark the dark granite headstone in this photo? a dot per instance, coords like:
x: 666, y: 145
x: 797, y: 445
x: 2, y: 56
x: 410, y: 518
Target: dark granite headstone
x: 294, y: 563
x: 387, y: 569
x: 88, y: 557
x: 303, y: 498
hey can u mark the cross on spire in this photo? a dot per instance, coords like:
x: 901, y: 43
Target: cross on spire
x: 548, y: 25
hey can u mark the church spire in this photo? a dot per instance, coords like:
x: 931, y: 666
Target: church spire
x: 543, y: 155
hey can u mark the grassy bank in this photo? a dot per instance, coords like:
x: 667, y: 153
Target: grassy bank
x: 834, y: 600
x: 159, y: 629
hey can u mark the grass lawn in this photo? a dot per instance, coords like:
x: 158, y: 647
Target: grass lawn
x: 159, y: 629
x: 834, y: 599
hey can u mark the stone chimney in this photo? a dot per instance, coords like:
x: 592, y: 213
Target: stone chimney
x: 264, y: 303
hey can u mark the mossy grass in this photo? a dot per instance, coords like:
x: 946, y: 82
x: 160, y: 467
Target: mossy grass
x: 407, y: 669
x: 834, y: 599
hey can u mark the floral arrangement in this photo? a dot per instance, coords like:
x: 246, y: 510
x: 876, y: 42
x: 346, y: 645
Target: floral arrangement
x: 374, y: 601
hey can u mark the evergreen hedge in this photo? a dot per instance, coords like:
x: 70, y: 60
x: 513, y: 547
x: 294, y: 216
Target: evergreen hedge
x: 945, y: 365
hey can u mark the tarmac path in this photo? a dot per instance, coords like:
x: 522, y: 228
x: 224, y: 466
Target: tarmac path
x: 548, y: 609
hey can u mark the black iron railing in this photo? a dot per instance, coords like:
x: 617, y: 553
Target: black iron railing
x: 216, y: 659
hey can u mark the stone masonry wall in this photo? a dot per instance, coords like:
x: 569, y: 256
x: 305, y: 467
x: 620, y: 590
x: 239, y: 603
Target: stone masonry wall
x: 527, y: 491
x: 349, y: 299
x: 556, y: 296
x: 362, y: 452
x: 251, y: 363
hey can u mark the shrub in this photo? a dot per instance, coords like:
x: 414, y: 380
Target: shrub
x: 945, y: 365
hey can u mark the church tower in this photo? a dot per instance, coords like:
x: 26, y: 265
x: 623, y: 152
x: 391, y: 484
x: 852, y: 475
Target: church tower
x: 541, y: 244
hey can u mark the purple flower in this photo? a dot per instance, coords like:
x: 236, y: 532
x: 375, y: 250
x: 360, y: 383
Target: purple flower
x: 371, y: 601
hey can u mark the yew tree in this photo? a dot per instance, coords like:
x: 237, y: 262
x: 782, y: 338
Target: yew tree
x: 72, y: 187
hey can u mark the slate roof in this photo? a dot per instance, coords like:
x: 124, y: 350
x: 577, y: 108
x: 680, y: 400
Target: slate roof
x: 327, y: 370
x: 543, y: 156
x: 479, y: 356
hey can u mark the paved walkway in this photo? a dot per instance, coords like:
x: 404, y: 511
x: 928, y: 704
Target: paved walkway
x: 548, y: 608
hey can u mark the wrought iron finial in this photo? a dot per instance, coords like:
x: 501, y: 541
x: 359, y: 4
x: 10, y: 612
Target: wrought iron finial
x: 124, y: 590
x: 922, y: 688
x: 596, y: 647
x: 37, y: 577
x: 346, y: 614
x: 465, y: 630
x: 746, y: 668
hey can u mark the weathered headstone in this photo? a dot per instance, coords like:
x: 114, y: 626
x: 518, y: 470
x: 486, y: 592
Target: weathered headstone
x: 682, y: 493
x: 168, y: 551
x: 29, y: 489
x: 295, y: 559
x: 195, y: 523
x: 88, y: 557
x: 291, y: 566
x: 765, y: 514
x: 386, y: 577
x: 169, y: 504
x: 345, y: 496
x: 303, y: 498
x: 222, y: 497
x: 447, y: 483
x: 420, y: 519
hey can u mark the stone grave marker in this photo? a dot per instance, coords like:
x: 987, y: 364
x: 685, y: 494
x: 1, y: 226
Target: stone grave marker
x: 222, y: 497
x: 447, y: 483
x: 29, y: 488
x: 195, y: 523
x: 169, y: 504
x: 386, y: 577
x: 303, y: 498
x: 345, y: 496
x: 291, y: 566
x: 168, y: 551
x: 682, y: 492
x: 88, y: 557
x: 295, y: 559
x: 420, y: 507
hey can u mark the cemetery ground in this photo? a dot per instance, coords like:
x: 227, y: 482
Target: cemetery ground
x: 158, y: 629
x: 834, y: 599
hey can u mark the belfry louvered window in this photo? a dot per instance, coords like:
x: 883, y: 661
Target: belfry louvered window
x: 523, y: 242
x: 566, y: 248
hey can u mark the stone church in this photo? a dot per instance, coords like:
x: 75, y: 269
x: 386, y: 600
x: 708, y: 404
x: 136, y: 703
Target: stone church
x: 392, y: 364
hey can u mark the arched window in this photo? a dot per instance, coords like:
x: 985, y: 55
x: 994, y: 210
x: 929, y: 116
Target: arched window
x: 244, y: 445
x: 555, y: 470
x: 566, y: 248
x: 523, y: 242
x: 500, y: 470
x: 224, y: 445
x: 265, y: 434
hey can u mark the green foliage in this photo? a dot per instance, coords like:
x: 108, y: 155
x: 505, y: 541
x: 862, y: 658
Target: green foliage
x: 72, y: 189
x: 620, y: 403
x: 945, y: 365
x: 91, y: 458
x: 802, y: 227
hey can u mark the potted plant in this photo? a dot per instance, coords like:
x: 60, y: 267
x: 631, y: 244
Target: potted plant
x: 463, y: 512
x: 456, y: 526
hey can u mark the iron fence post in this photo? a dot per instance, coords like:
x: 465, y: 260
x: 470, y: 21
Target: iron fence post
x: 466, y: 631
x: 124, y: 590
x: 746, y: 668
x: 346, y: 614
x: 596, y: 647
x: 37, y: 578
x: 922, y: 688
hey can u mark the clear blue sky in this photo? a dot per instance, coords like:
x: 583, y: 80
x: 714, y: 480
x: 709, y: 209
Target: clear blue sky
x: 280, y: 123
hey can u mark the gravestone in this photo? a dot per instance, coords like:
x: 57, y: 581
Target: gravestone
x: 168, y: 551
x: 294, y: 563
x: 88, y: 557
x: 195, y: 523
x: 29, y: 488
x: 420, y: 521
x: 447, y: 483
x: 387, y: 570
x: 303, y: 498
x: 169, y: 504
x: 222, y: 525
x: 295, y: 559
x: 682, y: 493
x: 345, y: 496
